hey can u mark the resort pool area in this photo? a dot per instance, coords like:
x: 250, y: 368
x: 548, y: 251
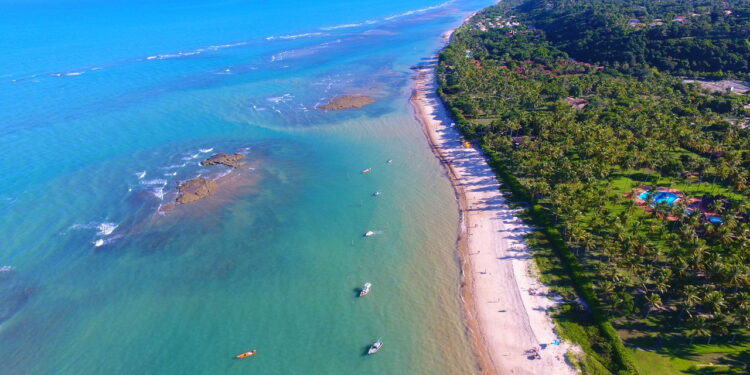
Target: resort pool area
x: 660, y: 196
x: 715, y: 219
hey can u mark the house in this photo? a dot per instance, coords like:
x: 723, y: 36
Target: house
x: 577, y: 103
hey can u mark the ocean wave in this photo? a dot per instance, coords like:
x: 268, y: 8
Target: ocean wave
x: 281, y: 99
x: 295, y: 36
x: 205, y: 150
x: 344, y: 26
x: 156, y: 181
x: 106, y: 241
x: 174, y: 55
x: 140, y: 174
x: 173, y: 166
x: 170, y: 173
x: 416, y: 11
x: 194, y: 52
x: 6, y: 269
x: 223, y: 174
x: 105, y: 229
x: 158, y: 193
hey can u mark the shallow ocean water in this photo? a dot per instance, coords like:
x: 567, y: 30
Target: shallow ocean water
x: 105, y: 107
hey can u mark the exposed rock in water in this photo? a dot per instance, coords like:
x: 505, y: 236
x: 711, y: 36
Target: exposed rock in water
x: 349, y: 101
x: 226, y: 159
x: 196, y: 189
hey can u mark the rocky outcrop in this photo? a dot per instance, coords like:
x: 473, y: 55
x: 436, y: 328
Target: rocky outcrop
x: 349, y: 101
x: 226, y: 159
x: 196, y: 189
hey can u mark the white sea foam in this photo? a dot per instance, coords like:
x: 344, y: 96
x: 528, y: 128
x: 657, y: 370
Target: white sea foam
x: 105, y: 229
x: 206, y: 150
x: 174, y: 166
x: 106, y: 241
x: 416, y: 11
x: 6, y: 269
x: 140, y: 174
x: 73, y: 74
x: 281, y: 99
x: 295, y: 36
x: 156, y: 181
x: 158, y: 192
x: 170, y: 174
x: 344, y: 26
x: 191, y: 157
x: 223, y: 174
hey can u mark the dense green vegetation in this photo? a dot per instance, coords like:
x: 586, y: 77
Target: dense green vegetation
x: 692, y: 38
x: 573, y: 122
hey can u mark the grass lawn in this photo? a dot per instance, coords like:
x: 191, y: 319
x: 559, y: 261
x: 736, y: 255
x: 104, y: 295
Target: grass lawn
x: 704, y: 361
x: 675, y: 355
x: 624, y: 182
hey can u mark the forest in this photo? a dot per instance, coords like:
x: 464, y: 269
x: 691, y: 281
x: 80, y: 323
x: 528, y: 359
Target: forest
x: 643, y: 175
x: 704, y: 38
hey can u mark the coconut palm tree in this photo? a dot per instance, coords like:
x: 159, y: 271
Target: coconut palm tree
x: 697, y: 326
x: 653, y: 301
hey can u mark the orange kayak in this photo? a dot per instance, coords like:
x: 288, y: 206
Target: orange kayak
x: 248, y: 354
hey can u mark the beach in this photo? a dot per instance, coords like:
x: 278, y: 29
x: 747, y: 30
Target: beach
x: 506, y: 307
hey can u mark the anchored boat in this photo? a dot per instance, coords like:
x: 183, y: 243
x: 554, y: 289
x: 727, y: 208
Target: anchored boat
x: 369, y: 233
x: 368, y: 170
x: 247, y: 354
x: 365, y: 290
x: 375, y: 347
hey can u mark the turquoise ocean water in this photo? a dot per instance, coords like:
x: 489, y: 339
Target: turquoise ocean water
x: 106, y: 105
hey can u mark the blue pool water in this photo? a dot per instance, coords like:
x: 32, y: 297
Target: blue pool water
x: 715, y: 219
x: 106, y: 105
x: 660, y: 196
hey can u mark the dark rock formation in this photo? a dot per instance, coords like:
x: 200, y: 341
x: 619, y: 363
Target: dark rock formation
x: 195, y: 189
x: 350, y: 101
x: 226, y: 159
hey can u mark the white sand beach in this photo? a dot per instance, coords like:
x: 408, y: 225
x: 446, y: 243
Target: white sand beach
x: 506, y: 306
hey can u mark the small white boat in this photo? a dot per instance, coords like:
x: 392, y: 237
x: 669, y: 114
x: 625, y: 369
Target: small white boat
x: 390, y: 161
x: 365, y: 290
x: 369, y: 233
x: 375, y: 347
x: 366, y: 171
x: 376, y: 194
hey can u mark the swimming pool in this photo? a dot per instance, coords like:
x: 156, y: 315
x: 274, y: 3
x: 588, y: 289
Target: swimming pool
x: 715, y: 219
x: 660, y: 196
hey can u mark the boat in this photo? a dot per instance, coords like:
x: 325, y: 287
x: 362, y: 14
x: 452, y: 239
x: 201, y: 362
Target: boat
x: 368, y: 170
x: 365, y: 290
x: 390, y: 161
x: 375, y: 347
x: 375, y: 194
x: 369, y: 233
x: 248, y: 354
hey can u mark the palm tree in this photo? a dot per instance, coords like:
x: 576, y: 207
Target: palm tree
x: 697, y: 327
x: 653, y: 301
x: 715, y: 302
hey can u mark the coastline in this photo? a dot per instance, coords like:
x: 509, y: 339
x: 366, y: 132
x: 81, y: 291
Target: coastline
x: 505, y: 304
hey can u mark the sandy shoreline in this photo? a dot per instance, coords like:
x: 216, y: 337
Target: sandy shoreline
x: 506, y: 307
